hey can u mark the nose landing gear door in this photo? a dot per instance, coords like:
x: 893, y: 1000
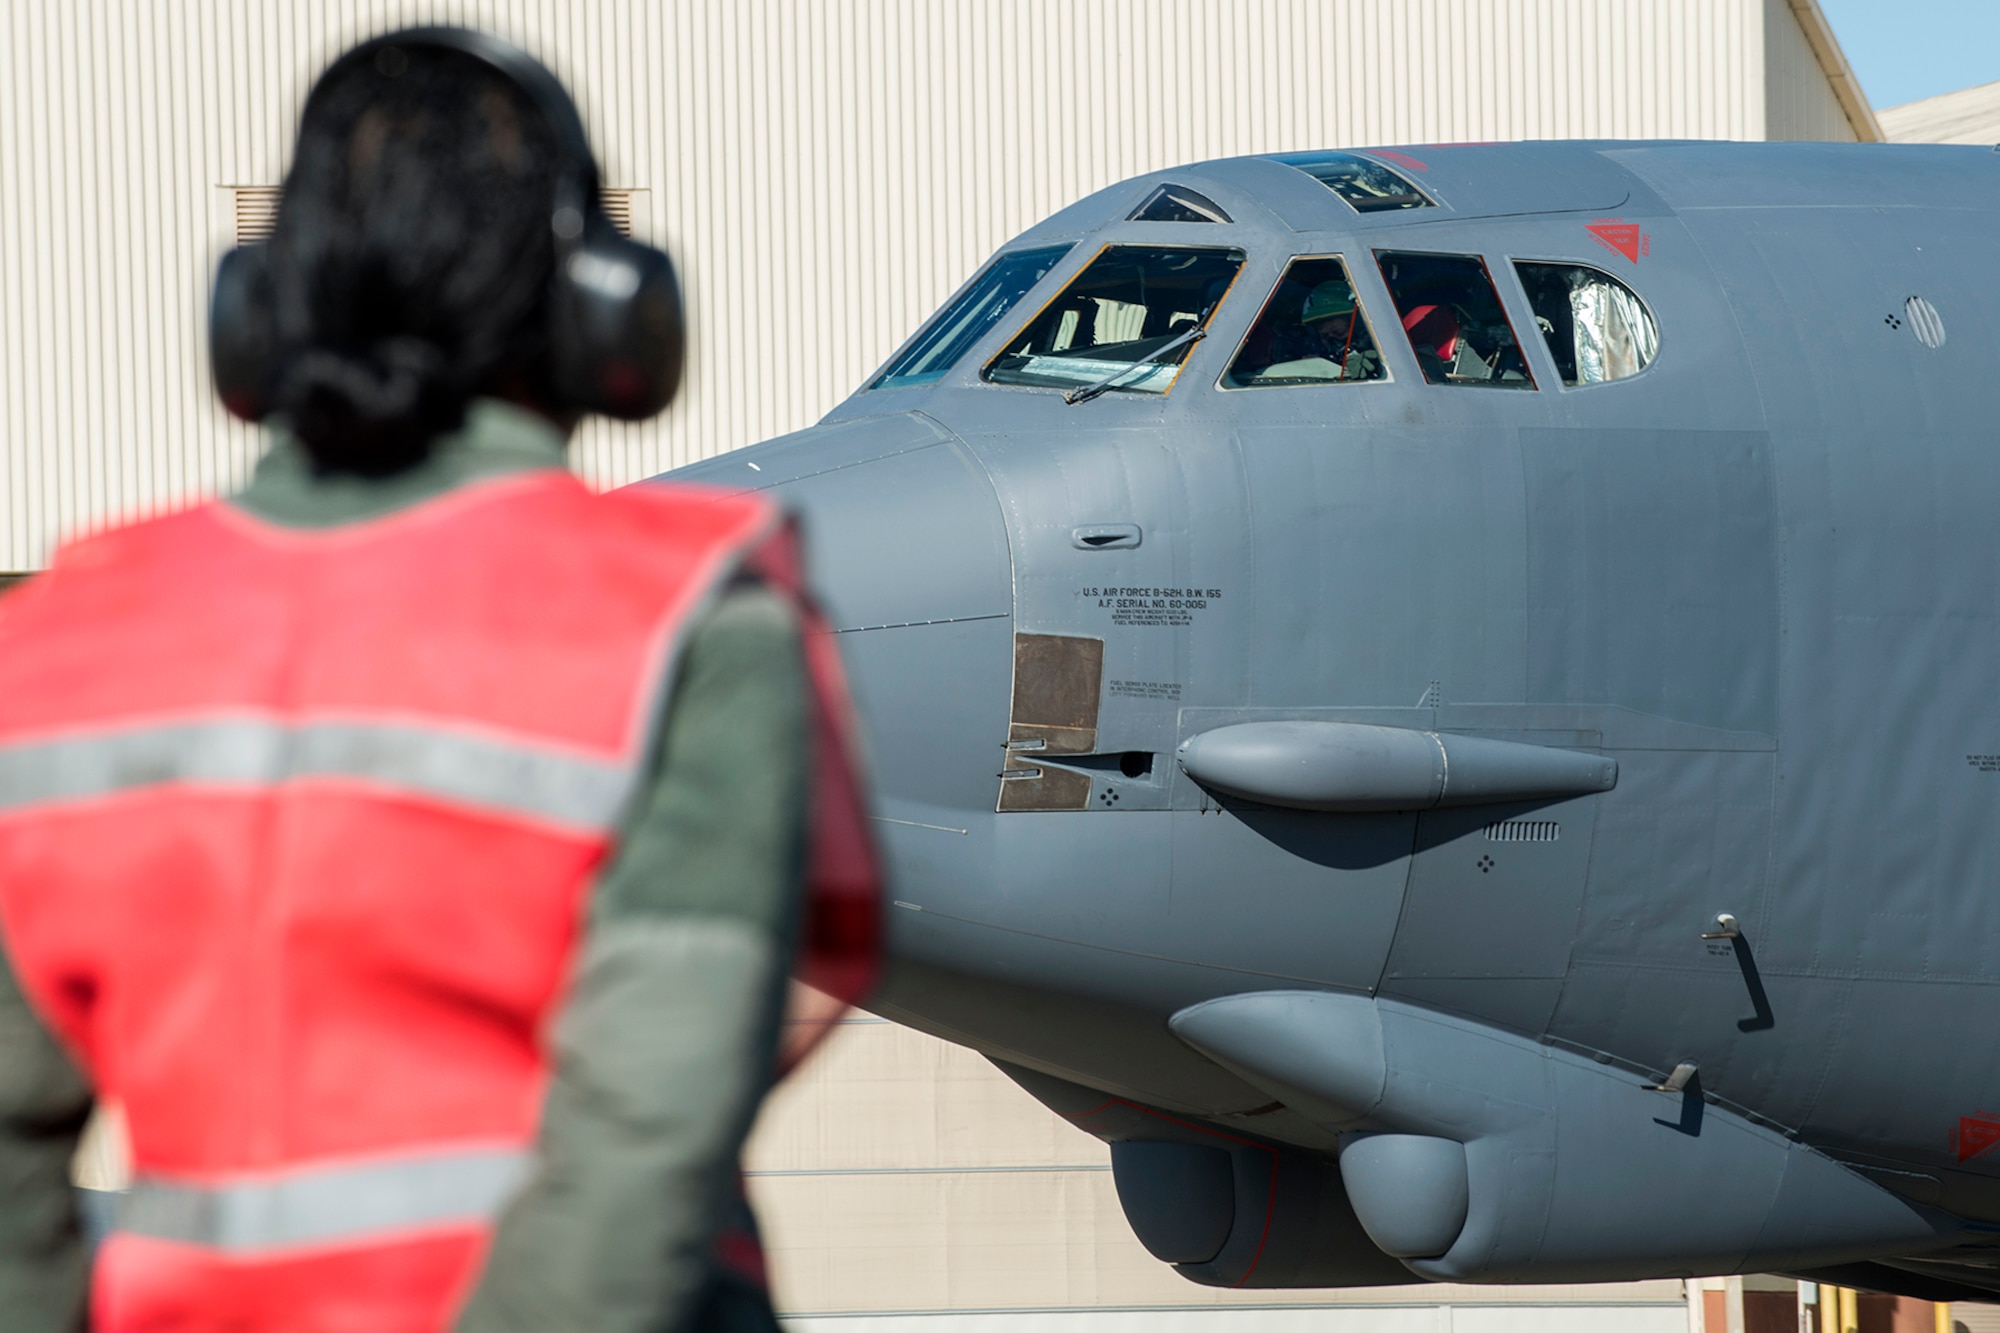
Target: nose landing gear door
x: 1491, y: 909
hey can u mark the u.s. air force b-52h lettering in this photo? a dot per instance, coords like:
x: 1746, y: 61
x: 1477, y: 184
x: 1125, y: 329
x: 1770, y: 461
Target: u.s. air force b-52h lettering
x: 1442, y: 701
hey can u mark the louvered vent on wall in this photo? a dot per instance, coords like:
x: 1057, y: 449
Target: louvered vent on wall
x: 618, y: 206
x: 257, y: 211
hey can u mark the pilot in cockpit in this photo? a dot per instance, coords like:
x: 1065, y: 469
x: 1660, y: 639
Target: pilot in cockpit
x: 1330, y: 343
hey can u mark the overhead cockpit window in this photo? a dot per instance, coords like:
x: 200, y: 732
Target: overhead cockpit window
x: 1126, y: 323
x: 953, y: 330
x: 1312, y: 331
x: 1597, y: 328
x: 1177, y: 203
x: 1454, y: 319
x: 1367, y: 185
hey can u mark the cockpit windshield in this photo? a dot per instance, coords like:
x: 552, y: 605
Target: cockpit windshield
x: 1454, y: 320
x: 1177, y: 203
x: 1312, y: 331
x: 1125, y: 324
x: 983, y: 303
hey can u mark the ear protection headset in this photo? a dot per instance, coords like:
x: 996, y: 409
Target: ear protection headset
x: 615, y: 329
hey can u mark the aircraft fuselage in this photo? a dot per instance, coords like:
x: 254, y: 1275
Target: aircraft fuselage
x: 1758, y: 575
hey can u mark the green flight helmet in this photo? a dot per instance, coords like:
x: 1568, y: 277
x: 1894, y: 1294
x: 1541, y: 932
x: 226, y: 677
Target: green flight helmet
x: 1330, y: 298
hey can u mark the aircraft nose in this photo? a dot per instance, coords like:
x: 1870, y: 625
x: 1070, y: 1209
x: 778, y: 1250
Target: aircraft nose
x: 908, y: 554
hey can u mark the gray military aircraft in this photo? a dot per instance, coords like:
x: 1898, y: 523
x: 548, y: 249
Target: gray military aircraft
x: 1442, y: 701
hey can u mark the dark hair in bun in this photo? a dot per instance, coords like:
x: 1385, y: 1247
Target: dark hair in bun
x: 411, y: 262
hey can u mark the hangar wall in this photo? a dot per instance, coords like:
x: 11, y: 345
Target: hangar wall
x: 825, y: 172
x: 1803, y: 98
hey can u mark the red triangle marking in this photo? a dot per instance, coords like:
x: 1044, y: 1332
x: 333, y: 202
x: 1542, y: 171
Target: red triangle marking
x: 1976, y: 1136
x: 1620, y: 236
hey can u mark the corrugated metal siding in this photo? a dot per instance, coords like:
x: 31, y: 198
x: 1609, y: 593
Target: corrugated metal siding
x: 1976, y: 1318
x: 1971, y: 115
x: 825, y: 172
x: 1799, y: 102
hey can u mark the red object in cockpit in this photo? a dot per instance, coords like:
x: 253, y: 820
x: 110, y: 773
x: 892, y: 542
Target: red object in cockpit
x: 1433, y: 328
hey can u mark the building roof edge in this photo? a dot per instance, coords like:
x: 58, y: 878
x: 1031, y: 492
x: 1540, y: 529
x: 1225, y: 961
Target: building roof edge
x: 1833, y: 63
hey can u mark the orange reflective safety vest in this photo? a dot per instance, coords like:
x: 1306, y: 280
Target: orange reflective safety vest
x: 296, y: 830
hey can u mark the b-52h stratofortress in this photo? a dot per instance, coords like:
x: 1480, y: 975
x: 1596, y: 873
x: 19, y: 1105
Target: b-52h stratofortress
x: 1443, y: 702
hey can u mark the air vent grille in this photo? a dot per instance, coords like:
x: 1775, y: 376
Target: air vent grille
x: 1925, y: 321
x: 1524, y: 830
x: 618, y: 207
x: 257, y: 211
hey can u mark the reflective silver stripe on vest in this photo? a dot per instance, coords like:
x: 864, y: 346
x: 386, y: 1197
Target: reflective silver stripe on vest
x: 504, y: 774
x: 326, y: 1204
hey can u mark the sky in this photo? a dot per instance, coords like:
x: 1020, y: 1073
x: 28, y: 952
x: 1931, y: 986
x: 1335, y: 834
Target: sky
x: 1904, y: 50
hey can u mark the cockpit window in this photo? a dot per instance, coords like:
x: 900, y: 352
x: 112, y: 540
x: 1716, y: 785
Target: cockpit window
x: 1368, y: 186
x: 1177, y: 203
x: 1312, y: 331
x: 1454, y: 319
x: 965, y: 321
x: 1597, y: 328
x: 1126, y: 323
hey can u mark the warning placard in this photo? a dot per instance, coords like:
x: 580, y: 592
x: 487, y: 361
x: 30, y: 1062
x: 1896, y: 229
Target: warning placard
x: 1976, y: 1134
x: 1621, y: 237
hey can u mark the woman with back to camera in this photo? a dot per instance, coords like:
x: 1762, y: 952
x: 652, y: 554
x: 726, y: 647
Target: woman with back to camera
x: 415, y: 845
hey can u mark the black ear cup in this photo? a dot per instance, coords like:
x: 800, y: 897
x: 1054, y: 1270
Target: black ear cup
x: 240, y: 332
x: 616, y: 333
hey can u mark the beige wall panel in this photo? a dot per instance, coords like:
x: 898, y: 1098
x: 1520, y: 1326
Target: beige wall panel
x: 887, y: 1096
x: 1799, y: 102
x: 825, y: 171
x: 1026, y: 1240
x: 1969, y: 116
x: 897, y: 1172
x: 1976, y: 1318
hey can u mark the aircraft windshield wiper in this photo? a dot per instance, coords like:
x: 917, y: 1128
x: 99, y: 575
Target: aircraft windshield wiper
x: 1091, y: 391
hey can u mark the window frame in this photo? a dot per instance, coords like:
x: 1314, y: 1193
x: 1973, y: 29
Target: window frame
x: 1174, y: 191
x: 1428, y: 200
x: 873, y: 382
x: 1083, y: 268
x: 1388, y: 372
x: 1500, y: 295
x: 1542, y: 348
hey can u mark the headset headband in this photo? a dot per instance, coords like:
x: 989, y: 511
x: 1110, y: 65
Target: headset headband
x: 616, y: 331
x: 507, y: 60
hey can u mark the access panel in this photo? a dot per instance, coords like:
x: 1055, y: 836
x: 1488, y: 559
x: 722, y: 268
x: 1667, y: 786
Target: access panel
x: 1490, y: 913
